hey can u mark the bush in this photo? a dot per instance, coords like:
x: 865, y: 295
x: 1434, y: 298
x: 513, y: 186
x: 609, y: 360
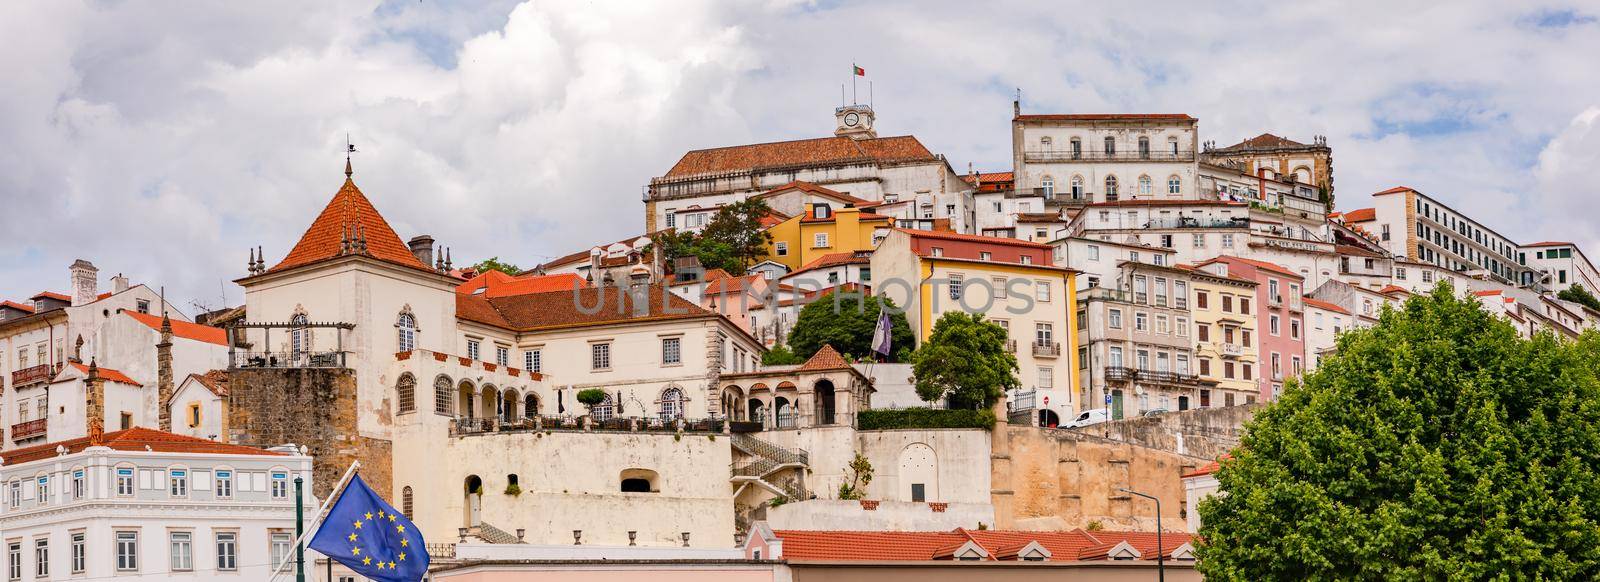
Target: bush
x: 885, y: 419
x: 513, y: 489
x: 781, y: 355
x: 591, y: 397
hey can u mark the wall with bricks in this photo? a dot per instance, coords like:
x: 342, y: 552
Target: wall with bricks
x: 313, y: 407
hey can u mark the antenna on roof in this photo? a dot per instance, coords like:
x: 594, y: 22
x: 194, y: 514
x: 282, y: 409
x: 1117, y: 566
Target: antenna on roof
x: 349, y: 148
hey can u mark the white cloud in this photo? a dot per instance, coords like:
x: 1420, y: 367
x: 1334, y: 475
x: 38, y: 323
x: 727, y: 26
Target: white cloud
x: 163, y: 143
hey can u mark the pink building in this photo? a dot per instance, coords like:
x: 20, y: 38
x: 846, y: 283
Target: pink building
x: 1280, y: 321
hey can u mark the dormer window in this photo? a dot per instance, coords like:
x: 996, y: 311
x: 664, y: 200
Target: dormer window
x: 821, y: 211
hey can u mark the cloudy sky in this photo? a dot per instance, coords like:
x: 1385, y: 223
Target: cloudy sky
x: 161, y: 140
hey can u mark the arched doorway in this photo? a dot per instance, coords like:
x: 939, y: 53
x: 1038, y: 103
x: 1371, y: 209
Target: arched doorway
x: 530, y: 405
x: 489, y: 402
x: 1049, y: 418
x: 757, y: 411
x: 919, y: 473
x: 784, y: 412
x: 508, y: 406
x: 473, y: 487
x: 732, y: 403
x: 464, y: 393
x: 825, y: 403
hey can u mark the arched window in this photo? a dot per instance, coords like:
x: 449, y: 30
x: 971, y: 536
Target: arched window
x: 1049, y: 186
x: 1077, y: 187
x: 406, y: 393
x: 441, y: 395
x: 1144, y: 185
x: 1144, y: 147
x: 1111, y: 146
x: 640, y: 481
x: 1111, y: 188
x: 602, y: 411
x: 406, y: 336
x: 1045, y: 143
x: 405, y: 501
x: 299, y: 335
x: 530, y: 405
x: 1174, y: 185
x: 672, y: 403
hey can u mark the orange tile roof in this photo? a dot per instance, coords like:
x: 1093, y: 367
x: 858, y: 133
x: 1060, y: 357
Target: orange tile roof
x: 1395, y: 190
x: 811, y: 188
x: 825, y: 359
x: 559, y: 309
x: 1265, y: 140
x: 1394, y: 289
x: 135, y: 439
x: 732, y: 284
x: 805, y: 152
x: 498, y: 284
x: 53, y: 295
x: 583, y: 255
x: 833, y: 260
x: 1355, y: 251
x: 1274, y: 267
x: 1320, y: 304
x: 184, y: 329
x: 1488, y: 293
x: 1360, y: 215
x: 215, y: 380
x: 108, y: 374
x: 1551, y: 243
x: 1104, y: 117
x: 897, y: 546
x: 1213, y: 466
x: 16, y: 306
x: 944, y: 235
x: 348, y: 210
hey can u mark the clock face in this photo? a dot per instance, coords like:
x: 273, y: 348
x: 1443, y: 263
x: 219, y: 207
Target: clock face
x: 851, y: 119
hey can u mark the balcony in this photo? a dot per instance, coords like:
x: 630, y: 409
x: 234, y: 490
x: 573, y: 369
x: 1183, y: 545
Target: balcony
x: 1232, y: 350
x: 1191, y: 222
x: 1107, y: 294
x: 1156, y: 377
x: 1296, y: 304
x: 1120, y: 374
x: 302, y: 359
x: 1275, y: 300
x: 27, y: 429
x: 1046, y: 349
x: 463, y: 426
x: 1051, y: 156
x: 30, y: 376
x: 1011, y: 346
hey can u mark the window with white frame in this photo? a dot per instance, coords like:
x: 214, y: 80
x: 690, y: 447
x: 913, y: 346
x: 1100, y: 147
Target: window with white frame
x: 224, y: 483
x: 533, y: 360
x: 124, y: 481
x: 671, y: 350
x: 1046, y: 378
x: 1144, y: 185
x: 14, y: 560
x: 1094, y: 252
x: 1043, y: 334
x: 80, y: 553
x: 998, y: 287
x: 127, y: 551
x: 280, y: 485
x: 1141, y: 321
x: 1041, y: 291
x: 42, y: 490
x: 181, y: 556
x: 1227, y: 240
x: 1114, y: 357
x: 279, y: 547
x: 1181, y: 327
x: 41, y: 558
x: 406, y: 332
x: 1114, y: 318
x: 178, y: 482
x: 1174, y: 185
x: 228, y: 551
x: 819, y: 240
x: 600, y: 356
x: 781, y: 248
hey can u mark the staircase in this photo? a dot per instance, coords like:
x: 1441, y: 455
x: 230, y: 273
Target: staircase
x: 495, y: 535
x: 770, y: 466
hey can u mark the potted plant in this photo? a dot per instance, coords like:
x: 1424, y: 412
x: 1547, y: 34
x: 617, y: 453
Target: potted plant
x: 591, y: 397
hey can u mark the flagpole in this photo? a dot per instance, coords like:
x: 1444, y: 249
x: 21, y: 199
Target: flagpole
x: 315, y: 520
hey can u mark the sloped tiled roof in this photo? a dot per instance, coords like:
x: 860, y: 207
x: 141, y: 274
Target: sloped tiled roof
x: 215, y: 380
x: 558, y: 309
x: 53, y: 295
x: 1320, y: 304
x: 732, y: 284
x: 498, y: 284
x: 108, y: 374
x: 583, y: 255
x: 818, y: 151
x: 814, y: 189
x: 348, y: 210
x: 1395, y: 190
x: 833, y: 260
x: 183, y: 329
x: 16, y: 306
x: 825, y: 359
x: 1263, y: 141
x: 135, y: 439
x: 1360, y: 215
x: 1105, y: 117
x: 1274, y: 267
x: 944, y: 235
x: 899, y: 546
x: 1551, y: 243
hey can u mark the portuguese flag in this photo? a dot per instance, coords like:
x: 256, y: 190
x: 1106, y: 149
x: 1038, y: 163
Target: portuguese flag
x: 859, y: 72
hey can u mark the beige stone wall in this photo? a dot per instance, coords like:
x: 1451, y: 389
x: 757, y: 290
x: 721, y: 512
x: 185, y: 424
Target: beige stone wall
x: 1057, y: 479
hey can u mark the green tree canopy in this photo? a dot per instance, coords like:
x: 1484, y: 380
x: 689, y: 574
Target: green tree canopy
x: 1577, y: 294
x: 847, y: 321
x: 1435, y: 445
x: 495, y: 264
x: 781, y: 355
x: 733, y: 240
x: 965, y: 360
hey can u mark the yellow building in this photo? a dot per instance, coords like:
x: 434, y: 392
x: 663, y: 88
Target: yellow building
x: 829, y: 223
x: 1224, y: 333
x: 1012, y: 283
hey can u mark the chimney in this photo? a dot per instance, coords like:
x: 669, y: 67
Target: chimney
x: 85, y: 281
x: 595, y: 256
x: 94, y: 393
x: 119, y: 283
x: 422, y: 248
x: 164, y: 373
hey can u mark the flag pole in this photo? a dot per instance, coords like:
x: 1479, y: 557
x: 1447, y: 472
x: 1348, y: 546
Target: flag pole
x: 317, y: 519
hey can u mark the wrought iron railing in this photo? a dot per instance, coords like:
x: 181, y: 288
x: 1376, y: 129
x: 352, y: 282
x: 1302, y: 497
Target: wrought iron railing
x: 1046, y: 349
x: 31, y: 375
x: 462, y: 426
x: 290, y: 359
x: 1190, y: 222
x: 1100, y: 155
x: 1120, y: 374
x: 1023, y: 401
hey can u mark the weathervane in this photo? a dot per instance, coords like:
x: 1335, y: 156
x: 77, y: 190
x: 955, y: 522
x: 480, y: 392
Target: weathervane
x: 349, y: 148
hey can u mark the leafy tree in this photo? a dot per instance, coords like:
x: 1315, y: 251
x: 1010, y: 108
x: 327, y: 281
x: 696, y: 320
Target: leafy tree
x: 964, y: 360
x: 781, y: 355
x: 860, y: 472
x: 591, y: 397
x: 1577, y: 294
x: 1435, y: 445
x: 847, y: 321
x: 733, y: 240
x: 495, y: 264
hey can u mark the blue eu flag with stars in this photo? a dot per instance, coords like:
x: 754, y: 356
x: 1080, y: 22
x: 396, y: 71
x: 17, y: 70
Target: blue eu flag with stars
x: 368, y: 536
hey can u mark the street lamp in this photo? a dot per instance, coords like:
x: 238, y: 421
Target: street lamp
x: 1161, y: 564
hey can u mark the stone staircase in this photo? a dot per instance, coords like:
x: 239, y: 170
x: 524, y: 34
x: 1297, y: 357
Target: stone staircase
x: 495, y: 535
x: 771, y: 464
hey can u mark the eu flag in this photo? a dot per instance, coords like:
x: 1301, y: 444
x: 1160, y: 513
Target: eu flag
x: 368, y: 536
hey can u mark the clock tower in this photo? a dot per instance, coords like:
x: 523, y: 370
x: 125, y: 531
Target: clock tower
x: 855, y: 122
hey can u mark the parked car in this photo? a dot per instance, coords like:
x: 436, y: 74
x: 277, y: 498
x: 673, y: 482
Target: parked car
x: 1090, y: 417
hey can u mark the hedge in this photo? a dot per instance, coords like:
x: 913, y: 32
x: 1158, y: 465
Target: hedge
x: 883, y: 419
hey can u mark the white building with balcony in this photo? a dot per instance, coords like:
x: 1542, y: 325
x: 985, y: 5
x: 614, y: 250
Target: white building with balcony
x: 141, y: 504
x: 1106, y: 157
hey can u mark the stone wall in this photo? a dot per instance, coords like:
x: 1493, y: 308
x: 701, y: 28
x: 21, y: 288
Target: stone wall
x: 1206, y: 433
x: 311, y: 407
x: 1050, y: 479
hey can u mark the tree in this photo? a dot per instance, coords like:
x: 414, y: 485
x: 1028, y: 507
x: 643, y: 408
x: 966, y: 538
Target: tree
x: 781, y: 355
x: 847, y: 321
x: 1435, y: 445
x: 964, y: 360
x: 591, y: 397
x: 860, y: 472
x: 733, y: 240
x: 495, y: 264
x: 1577, y: 294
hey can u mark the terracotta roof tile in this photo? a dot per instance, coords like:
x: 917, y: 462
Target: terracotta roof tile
x: 184, y: 329
x: 826, y: 358
x: 348, y: 209
x: 215, y: 380
x: 818, y: 151
x: 53, y: 295
x: 135, y: 439
x: 17, y: 306
x: 583, y: 255
x: 1263, y: 141
x: 1551, y: 243
x: 943, y: 235
x: 1394, y: 289
x: 732, y: 284
x: 1320, y: 304
x: 498, y: 284
x: 894, y: 546
x: 1360, y: 215
x: 1395, y: 190
x: 109, y: 374
x: 558, y: 309
x: 1105, y: 117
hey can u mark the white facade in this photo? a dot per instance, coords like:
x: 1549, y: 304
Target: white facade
x: 140, y: 515
x: 1560, y: 265
x: 1103, y: 158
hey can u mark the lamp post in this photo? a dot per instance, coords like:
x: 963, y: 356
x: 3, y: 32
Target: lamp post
x: 299, y: 530
x: 1161, y: 563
